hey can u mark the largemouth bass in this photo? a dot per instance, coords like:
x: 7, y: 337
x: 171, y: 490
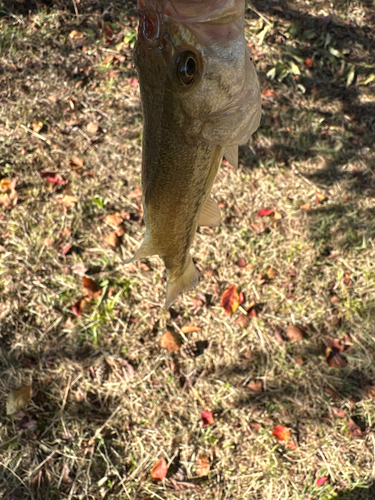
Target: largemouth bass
x: 200, y: 100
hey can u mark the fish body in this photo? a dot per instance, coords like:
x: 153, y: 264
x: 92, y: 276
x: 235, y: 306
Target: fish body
x: 200, y: 100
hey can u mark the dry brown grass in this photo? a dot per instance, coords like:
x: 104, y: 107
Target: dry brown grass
x: 107, y: 400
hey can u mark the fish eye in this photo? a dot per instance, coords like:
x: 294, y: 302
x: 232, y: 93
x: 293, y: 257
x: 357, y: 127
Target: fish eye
x: 187, y: 67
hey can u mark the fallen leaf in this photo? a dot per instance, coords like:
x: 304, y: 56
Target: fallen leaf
x: 291, y: 445
x: 268, y: 93
x: 338, y: 412
x: 65, y: 248
x: 294, y: 332
x: 279, y: 334
x: 92, y: 128
x: 81, y: 306
x: 37, y: 126
x: 241, y: 262
x: 75, y: 35
x: 190, y: 329
x: 333, y: 356
x: 93, y: 290
x: 299, y: 361
x: 207, y: 418
x: 48, y: 242
x: 170, y: 341
x: 252, y: 312
x: 243, y: 321
x: 77, y: 162
x: 256, y: 386
x: 309, y: 62
x: 277, y: 215
x: 69, y: 323
x: 231, y: 299
x: 136, y: 194
x: 54, y: 178
x: 109, y: 58
x: 319, y: 198
x: 354, y: 429
x: 120, y: 230
x: 114, y: 219
x: 65, y: 474
x: 332, y: 393
x: 271, y: 273
x: 306, y: 206
x: 112, y: 239
x: 255, y: 426
x: 159, y: 470
x: 79, y: 268
x: 281, y: 433
x: 335, y: 300
x: 8, y: 196
x: 321, y: 480
x: 68, y: 200
x: 202, y: 466
x: 18, y: 399
x: 265, y: 212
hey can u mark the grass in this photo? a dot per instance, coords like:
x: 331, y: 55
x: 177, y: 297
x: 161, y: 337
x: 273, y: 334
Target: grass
x: 108, y: 401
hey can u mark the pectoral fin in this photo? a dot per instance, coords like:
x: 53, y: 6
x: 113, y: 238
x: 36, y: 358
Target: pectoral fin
x: 145, y: 250
x: 209, y: 214
x: 188, y: 279
x: 231, y: 154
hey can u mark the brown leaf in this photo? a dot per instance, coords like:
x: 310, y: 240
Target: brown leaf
x: 159, y: 470
x: 93, y: 290
x: 299, y: 361
x: 8, y: 194
x: 76, y: 161
x: 65, y: 474
x: 76, y: 35
x: 306, y: 206
x: 279, y: 334
x: 291, y: 445
x: 271, y: 273
x: 338, y: 412
x: 255, y: 426
x: 319, y: 198
x: 256, y: 386
x: 92, y: 128
x: 81, y: 306
x: 334, y: 359
x: 68, y: 200
x: 252, y: 312
x: 332, y: 393
x: 170, y: 341
x: 242, y: 320
x: 202, y: 466
x: 231, y: 299
x: 18, y: 399
x: 354, y: 429
x: 65, y: 248
x: 114, y: 219
x: 335, y: 300
x: 37, y: 126
x: 190, y: 329
x: 120, y: 230
x: 241, y: 262
x: 112, y: 239
x: 295, y: 333
x: 281, y: 433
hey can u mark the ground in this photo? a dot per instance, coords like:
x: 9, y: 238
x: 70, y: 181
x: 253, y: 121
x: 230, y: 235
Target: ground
x: 107, y: 399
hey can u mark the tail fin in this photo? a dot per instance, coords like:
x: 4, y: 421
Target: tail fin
x: 187, y: 280
x: 145, y: 250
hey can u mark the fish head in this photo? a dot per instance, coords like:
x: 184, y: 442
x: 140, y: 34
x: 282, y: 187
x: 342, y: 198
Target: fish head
x: 195, y: 71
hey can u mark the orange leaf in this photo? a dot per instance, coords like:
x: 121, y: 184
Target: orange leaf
x: 170, y: 341
x: 92, y: 128
x: 294, y: 332
x: 37, y: 126
x: 202, y: 466
x: 319, y: 198
x: 271, y: 273
x: 281, y: 433
x: 159, y: 470
x: 306, y: 206
x: 114, y: 220
x: 190, y: 329
x: 231, y: 299
x: 112, y: 239
x: 93, y: 290
x: 256, y: 386
x: 76, y: 161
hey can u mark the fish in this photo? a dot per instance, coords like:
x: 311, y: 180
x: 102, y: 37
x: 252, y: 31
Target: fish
x: 200, y: 99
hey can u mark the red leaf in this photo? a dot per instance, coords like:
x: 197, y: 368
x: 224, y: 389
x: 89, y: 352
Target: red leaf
x: 265, y: 212
x: 207, y: 418
x: 321, y: 480
x: 76, y: 308
x: 54, y: 178
x: 159, y: 470
x: 281, y: 433
x: 231, y: 299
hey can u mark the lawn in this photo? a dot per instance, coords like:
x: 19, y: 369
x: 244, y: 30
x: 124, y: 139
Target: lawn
x: 105, y: 391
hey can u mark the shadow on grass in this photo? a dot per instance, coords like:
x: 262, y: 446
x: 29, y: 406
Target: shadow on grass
x: 360, y: 493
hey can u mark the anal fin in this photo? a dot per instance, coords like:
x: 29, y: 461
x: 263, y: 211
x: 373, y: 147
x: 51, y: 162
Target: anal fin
x: 231, y: 154
x: 145, y: 250
x: 209, y: 214
x: 188, y: 279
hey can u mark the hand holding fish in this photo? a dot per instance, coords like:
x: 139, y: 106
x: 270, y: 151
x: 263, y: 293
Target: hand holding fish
x: 200, y: 100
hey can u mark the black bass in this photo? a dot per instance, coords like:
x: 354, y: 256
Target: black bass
x: 200, y: 100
